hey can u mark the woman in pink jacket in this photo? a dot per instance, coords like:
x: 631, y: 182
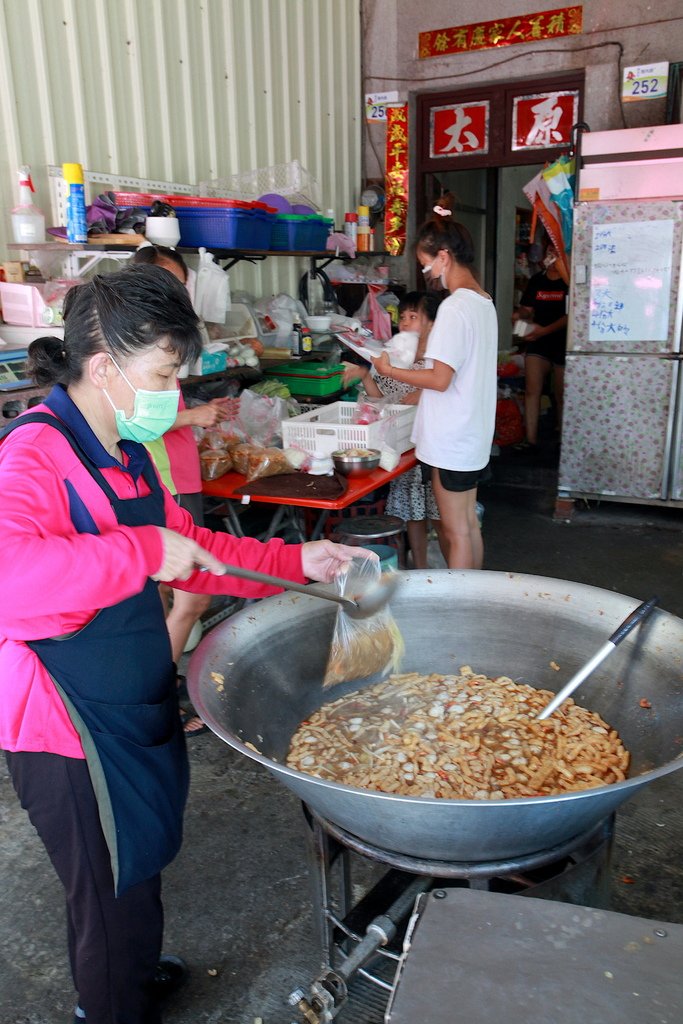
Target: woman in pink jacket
x: 88, y: 703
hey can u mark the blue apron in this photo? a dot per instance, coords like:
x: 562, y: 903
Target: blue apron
x: 118, y: 682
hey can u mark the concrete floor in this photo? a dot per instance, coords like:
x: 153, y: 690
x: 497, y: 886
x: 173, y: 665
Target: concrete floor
x: 237, y: 899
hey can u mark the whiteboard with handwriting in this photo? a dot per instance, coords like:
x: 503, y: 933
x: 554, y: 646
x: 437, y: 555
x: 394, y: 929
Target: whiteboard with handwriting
x: 631, y: 281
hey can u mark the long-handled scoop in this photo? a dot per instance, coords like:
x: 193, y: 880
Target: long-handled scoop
x: 360, y: 607
x: 637, y: 616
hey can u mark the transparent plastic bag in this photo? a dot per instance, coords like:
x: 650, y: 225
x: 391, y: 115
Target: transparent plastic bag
x: 214, y: 462
x: 362, y: 647
x: 260, y: 416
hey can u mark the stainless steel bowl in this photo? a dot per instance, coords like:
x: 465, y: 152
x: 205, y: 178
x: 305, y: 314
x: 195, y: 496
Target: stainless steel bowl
x: 350, y: 463
x: 273, y: 654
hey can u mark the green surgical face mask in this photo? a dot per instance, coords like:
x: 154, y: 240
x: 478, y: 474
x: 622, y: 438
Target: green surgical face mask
x: 154, y: 412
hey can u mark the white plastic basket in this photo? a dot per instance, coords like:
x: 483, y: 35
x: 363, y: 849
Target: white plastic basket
x: 330, y: 428
x: 290, y: 180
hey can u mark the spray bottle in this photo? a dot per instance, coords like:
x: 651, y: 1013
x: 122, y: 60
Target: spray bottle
x: 76, y: 224
x: 28, y: 222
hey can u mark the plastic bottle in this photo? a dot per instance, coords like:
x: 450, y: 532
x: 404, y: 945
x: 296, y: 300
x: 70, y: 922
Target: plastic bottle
x: 329, y: 215
x: 76, y: 224
x: 363, y: 239
x: 28, y: 222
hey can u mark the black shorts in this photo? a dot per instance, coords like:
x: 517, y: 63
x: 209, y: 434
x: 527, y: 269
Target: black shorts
x: 552, y: 349
x: 454, y: 480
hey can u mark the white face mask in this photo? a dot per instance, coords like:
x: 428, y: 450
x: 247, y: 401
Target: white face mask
x: 549, y: 260
x: 427, y: 271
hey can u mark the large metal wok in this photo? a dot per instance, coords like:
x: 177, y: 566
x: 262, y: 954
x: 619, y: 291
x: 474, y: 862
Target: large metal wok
x: 272, y: 656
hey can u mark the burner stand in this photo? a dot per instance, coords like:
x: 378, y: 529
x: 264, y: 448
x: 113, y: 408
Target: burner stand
x: 358, y: 930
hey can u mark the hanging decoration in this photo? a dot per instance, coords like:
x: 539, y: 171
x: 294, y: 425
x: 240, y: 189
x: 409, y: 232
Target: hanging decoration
x: 485, y: 35
x: 396, y: 208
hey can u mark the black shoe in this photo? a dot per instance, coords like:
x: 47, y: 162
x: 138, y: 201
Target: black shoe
x: 171, y: 973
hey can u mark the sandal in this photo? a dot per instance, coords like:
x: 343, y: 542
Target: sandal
x: 192, y: 725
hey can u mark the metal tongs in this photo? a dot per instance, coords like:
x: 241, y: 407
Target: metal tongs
x: 620, y: 633
x: 360, y: 607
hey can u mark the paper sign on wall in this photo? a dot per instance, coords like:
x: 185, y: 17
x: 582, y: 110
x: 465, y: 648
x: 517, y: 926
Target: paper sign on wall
x: 375, y: 105
x: 631, y: 281
x: 645, y: 82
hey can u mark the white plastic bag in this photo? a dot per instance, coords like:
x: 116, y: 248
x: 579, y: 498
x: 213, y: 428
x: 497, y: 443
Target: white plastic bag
x: 212, y: 290
x: 401, y: 349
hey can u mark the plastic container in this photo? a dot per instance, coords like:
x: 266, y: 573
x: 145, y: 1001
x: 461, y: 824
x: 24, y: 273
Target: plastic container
x: 234, y: 227
x: 332, y: 427
x: 318, y: 232
x: 28, y: 222
x: 290, y: 233
x: 76, y: 223
x: 309, y: 379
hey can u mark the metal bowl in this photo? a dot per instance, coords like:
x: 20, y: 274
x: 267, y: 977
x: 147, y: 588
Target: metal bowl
x: 273, y: 655
x: 352, y: 463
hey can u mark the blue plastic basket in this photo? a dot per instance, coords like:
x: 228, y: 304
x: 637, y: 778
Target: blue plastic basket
x: 228, y: 228
x: 290, y: 233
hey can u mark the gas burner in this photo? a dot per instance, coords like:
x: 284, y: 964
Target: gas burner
x: 369, y: 931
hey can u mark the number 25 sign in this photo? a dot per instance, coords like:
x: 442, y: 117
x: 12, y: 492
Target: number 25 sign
x: 645, y: 82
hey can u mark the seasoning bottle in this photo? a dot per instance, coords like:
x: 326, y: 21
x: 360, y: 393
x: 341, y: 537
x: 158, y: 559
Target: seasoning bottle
x: 76, y: 224
x: 306, y: 340
x: 296, y: 346
x: 28, y: 222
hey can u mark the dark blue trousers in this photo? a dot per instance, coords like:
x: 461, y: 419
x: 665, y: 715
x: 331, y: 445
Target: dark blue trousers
x: 114, y: 943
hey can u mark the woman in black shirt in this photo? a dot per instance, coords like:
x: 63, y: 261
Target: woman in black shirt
x: 544, y: 303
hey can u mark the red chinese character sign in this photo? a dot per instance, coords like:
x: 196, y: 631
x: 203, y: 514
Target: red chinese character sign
x: 396, y: 202
x: 459, y: 129
x: 485, y: 35
x: 544, y: 121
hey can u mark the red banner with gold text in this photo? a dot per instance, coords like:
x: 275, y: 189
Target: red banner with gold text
x: 396, y: 184
x: 485, y: 35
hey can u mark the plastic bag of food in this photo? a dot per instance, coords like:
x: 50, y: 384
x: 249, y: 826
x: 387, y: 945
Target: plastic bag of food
x: 362, y: 647
x: 214, y: 462
x: 266, y: 462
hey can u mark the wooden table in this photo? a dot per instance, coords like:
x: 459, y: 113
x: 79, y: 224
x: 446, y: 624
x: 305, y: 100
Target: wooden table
x: 287, y: 514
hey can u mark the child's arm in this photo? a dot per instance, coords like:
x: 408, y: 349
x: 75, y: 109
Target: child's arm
x: 437, y: 378
x: 361, y: 373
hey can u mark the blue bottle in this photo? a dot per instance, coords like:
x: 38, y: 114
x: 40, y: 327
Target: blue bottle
x: 76, y: 223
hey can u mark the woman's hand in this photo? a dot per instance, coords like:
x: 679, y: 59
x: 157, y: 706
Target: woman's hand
x: 383, y: 364
x: 323, y: 560
x: 211, y: 413
x: 182, y: 557
x: 535, y: 334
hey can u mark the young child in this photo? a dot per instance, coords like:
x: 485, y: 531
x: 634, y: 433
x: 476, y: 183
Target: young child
x: 408, y: 498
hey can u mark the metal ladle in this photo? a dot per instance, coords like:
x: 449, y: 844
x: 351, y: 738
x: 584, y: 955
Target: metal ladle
x: 361, y: 607
x: 620, y: 633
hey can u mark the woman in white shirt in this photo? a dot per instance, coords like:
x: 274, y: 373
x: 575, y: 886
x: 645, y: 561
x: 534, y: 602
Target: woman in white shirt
x: 456, y: 414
